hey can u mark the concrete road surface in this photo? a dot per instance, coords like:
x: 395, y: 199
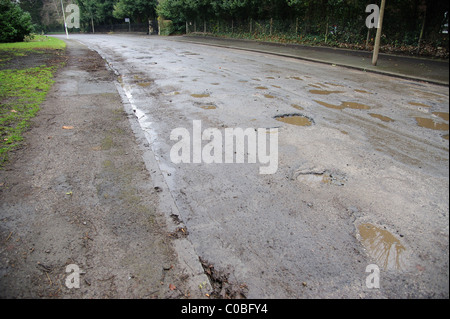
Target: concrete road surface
x: 361, y: 175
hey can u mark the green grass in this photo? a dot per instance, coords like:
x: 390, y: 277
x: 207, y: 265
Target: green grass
x: 38, y: 42
x: 22, y: 91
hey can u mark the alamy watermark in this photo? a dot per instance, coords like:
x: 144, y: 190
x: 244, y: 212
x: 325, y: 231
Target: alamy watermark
x: 373, y: 20
x: 226, y: 147
x: 373, y: 280
x: 73, y: 279
x: 73, y: 19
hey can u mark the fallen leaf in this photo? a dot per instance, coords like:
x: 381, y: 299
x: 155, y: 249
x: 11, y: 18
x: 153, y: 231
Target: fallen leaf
x: 68, y: 127
x: 13, y: 111
x: 172, y: 287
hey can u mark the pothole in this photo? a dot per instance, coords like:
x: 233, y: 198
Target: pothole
x: 344, y: 105
x: 386, y: 249
x: 295, y: 119
x: 320, y: 176
x: 381, y: 117
x: 431, y: 124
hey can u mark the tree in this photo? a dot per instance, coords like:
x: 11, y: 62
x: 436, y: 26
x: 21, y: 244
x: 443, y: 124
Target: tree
x: 15, y: 24
x: 138, y: 10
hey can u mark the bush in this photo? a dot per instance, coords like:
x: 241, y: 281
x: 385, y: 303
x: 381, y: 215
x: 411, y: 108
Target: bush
x: 15, y: 24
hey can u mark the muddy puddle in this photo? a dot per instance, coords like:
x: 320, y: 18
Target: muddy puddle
x: 325, y: 92
x: 261, y: 88
x: 208, y: 107
x: 200, y: 96
x: 344, y: 105
x: 363, y: 91
x: 295, y: 119
x: 298, y: 107
x: 419, y: 104
x: 381, y: 117
x: 268, y: 96
x: 431, y: 124
x: 442, y: 115
x: 386, y: 249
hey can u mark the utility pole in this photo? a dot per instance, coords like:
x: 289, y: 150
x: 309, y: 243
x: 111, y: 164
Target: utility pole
x: 64, y: 17
x: 376, y: 49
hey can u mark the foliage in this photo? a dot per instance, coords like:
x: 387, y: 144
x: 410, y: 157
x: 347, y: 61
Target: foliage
x: 15, y: 24
x: 333, y: 21
x: 138, y: 10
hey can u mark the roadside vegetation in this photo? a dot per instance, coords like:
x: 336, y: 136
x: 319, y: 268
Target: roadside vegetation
x: 26, y: 75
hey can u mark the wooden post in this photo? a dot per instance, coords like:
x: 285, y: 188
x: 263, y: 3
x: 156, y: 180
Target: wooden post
x: 376, y: 49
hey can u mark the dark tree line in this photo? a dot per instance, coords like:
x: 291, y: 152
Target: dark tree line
x: 406, y: 21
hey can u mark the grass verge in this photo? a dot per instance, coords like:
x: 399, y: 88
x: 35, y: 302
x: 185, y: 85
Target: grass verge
x: 22, y: 90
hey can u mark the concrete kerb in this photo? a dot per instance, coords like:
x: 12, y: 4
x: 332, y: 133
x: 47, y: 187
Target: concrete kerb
x: 197, y: 282
x: 353, y: 67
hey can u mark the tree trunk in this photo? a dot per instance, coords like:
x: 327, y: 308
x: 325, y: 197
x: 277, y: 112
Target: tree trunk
x: 422, y: 31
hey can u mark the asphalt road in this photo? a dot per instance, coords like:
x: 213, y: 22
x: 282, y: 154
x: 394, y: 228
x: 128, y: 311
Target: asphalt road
x: 362, y: 177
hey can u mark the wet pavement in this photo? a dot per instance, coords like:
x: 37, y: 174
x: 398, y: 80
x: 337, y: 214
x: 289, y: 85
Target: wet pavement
x: 361, y: 178
x: 422, y: 69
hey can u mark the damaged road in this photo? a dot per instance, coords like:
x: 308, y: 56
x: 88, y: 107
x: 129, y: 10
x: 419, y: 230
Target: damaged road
x: 362, y: 176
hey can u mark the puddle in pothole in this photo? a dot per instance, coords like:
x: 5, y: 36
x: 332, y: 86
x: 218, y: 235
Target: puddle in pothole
x: 344, y: 105
x: 363, y: 91
x: 431, y: 124
x: 382, y: 117
x: 144, y: 84
x: 295, y: 119
x: 298, y: 107
x: 200, y: 96
x: 442, y: 115
x: 208, y: 107
x: 382, y: 246
x: 418, y: 104
x: 325, y: 92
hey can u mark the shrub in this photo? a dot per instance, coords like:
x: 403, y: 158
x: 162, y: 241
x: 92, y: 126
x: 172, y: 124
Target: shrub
x: 15, y: 24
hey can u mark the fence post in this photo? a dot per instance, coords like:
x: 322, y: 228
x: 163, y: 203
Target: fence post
x: 271, y: 26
